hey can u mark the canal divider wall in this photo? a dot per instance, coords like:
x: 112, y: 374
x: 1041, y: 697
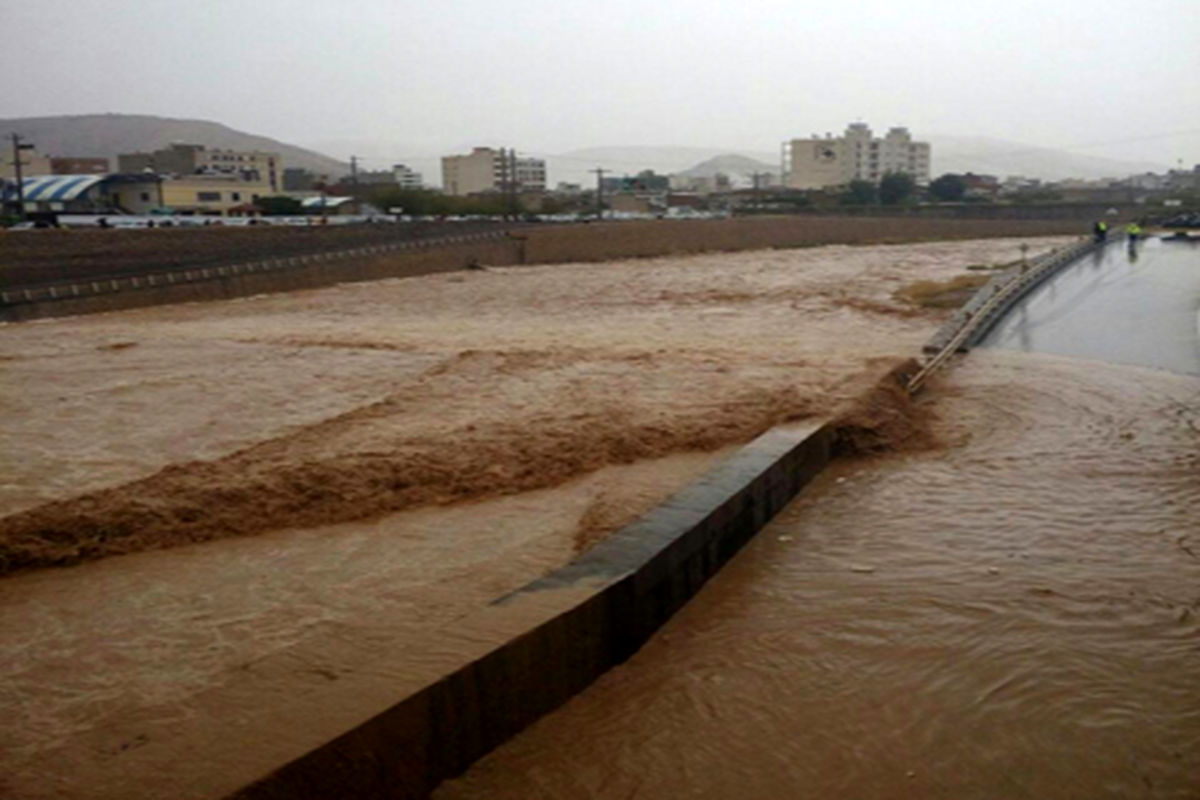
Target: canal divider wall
x: 395, y: 719
x: 545, y: 244
x: 549, y: 640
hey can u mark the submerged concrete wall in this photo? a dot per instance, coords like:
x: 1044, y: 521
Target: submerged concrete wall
x: 562, y: 632
x: 402, y: 716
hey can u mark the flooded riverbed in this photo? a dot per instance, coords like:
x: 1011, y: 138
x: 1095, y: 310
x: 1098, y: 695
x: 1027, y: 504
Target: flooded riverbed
x: 1014, y: 614
x: 550, y: 404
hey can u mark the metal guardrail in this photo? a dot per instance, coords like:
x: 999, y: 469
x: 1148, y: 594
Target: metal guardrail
x: 1000, y: 294
x: 110, y: 285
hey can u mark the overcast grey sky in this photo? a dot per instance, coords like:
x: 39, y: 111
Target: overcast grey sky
x: 1117, y: 79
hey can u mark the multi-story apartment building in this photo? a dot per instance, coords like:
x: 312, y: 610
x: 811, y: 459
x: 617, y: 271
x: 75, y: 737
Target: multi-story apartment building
x: 487, y: 169
x: 195, y: 159
x: 818, y: 163
x: 406, y: 177
x: 531, y: 175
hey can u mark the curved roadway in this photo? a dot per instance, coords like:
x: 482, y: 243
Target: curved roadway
x: 1124, y: 305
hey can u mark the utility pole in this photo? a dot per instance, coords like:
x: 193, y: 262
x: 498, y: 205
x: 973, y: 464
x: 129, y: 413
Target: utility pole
x: 18, y: 146
x: 354, y: 179
x: 599, y: 191
x: 505, y: 188
x: 514, y: 186
x: 758, y: 188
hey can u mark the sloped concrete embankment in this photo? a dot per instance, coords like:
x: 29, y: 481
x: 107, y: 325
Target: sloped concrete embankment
x: 530, y: 245
x: 261, y: 277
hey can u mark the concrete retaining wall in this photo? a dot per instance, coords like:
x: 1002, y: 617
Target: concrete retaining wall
x: 218, y: 283
x: 613, y: 240
x: 532, y: 245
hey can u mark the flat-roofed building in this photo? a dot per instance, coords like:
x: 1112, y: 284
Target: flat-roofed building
x: 823, y: 162
x: 486, y: 169
x: 406, y: 177
x: 80, y: 166
x: 254, y: 166
x: 31, y: 163
x: 210, y: 195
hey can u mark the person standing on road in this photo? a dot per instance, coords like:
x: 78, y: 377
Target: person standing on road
x: 1133, y: 231
x: 1100, y: 229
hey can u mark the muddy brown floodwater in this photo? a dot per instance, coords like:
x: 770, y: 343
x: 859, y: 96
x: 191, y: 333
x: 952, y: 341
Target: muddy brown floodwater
x: 403, y: 452
x: 1013, y: 615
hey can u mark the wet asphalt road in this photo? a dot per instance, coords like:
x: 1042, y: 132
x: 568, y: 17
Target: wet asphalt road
x: 1127, y: 306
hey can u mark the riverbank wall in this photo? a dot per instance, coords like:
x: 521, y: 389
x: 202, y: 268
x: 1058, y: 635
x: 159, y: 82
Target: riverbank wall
x: 114, y: 282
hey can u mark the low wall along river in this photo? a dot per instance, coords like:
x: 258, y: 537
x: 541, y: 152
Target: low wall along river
x: 83, y: 272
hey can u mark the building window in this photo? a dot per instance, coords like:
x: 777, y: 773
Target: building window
x: 145, y: 197
x: 208, y: 197
x: 235, y: 196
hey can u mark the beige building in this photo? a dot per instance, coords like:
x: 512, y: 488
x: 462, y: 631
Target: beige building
x: 486, y: 169
x: 212, y: 195
x: 31, y: 164
x: 253, y: 166
x: 818, y: 163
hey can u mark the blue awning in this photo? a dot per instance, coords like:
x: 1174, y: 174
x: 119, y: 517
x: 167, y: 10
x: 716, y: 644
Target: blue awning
x: 53, y: 188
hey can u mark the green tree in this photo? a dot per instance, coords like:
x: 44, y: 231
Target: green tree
x: 948, y: 188
x: 895, y: 188
x: 859, y: 193
x: 279, y: 206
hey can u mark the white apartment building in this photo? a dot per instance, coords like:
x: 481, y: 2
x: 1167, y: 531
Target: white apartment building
x: 406, y: 177
x: 818, y: 163
x: 486, y: 169
x: 531, y: 175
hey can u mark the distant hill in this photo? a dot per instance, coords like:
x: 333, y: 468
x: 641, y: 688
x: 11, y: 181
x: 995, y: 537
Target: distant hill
x: 988, y: 156
x: 574, y: 165
x: 110, y: 134
x: 731, y: 164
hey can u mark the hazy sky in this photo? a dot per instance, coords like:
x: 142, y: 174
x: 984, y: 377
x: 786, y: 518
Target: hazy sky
x: 1117, y: 79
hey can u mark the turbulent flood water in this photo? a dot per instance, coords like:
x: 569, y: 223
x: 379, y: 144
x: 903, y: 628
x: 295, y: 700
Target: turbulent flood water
x: 1014, y: 614
x: 330, y: 438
